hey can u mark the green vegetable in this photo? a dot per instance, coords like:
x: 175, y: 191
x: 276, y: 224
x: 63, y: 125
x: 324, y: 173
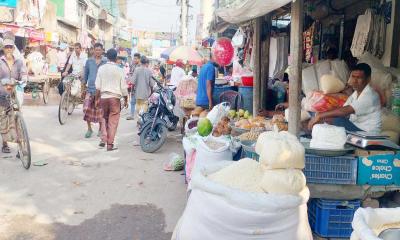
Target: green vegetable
x: 204, y: 127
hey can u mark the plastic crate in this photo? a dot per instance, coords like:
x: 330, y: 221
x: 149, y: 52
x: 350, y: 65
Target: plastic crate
x: 331, y: 170
x: 332, y: 218
x: 379, y: 170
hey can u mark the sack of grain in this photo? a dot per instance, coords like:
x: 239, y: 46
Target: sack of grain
x: 215, y: 211
x: 212, y: 150
x: 279, y: 150
x: 390, y: 122
x: 330, y: 84
x: 368, y: 223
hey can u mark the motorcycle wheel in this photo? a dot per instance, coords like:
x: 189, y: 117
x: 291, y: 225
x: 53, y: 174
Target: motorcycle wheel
x: 149, y: 145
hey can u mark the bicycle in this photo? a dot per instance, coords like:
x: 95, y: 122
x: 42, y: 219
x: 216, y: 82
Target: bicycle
x: 13, y: 112
x: 70, y: 98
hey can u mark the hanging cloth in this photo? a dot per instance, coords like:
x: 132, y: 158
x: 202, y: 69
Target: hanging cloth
x: 361, y: 34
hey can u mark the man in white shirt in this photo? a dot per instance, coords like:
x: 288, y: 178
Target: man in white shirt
x: 362, y: 111
x: 111, y: 87
x: 76, y: 61
x: 177, y: 73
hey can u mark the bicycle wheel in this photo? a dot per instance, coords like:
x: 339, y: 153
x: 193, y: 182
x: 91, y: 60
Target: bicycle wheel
x: 24, y: 147
x: 63, y: 108
x: 45, y: 91
x: 71, y: 106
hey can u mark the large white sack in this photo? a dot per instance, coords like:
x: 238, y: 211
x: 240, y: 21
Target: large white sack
x: 325, y: 136
x: 369, y: 222
x: 309, y: 80
x: 283, y: 181
x: 393, y: 136
x: 215, y: 211
x: 340, y: 70
x: 279, y: 150
x: 323, y: 67
x: 381, y: 80
x: 330, y: 84
x: 206, y: 155
x: 390, y: 122
x: 244, y: 175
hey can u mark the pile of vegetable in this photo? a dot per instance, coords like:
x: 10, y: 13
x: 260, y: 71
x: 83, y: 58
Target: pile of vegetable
x: 204, y: 127
x: 237, y: 115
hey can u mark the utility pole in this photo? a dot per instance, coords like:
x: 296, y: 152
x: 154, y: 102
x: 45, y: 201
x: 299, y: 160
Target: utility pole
x: 184, y: 21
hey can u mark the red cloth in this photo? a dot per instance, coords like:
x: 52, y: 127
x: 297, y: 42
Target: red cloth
x: 112, y: 110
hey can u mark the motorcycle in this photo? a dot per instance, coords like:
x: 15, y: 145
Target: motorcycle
x: 159, y: 118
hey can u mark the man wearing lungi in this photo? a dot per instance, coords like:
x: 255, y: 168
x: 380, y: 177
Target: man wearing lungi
x: 91, y: 106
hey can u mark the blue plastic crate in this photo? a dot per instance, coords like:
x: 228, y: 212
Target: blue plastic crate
x: 379, y: 170
x: 332, y: 218
x: 331, y: 170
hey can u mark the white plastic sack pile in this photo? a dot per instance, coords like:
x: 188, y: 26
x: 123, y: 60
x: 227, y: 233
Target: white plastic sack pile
x: 325, y: 136
x: 280, y: 150
x: 331, y: 84
x: 215, y: 211
x: 311, y: 75
x: 368, y: 223
x: 206, y: 155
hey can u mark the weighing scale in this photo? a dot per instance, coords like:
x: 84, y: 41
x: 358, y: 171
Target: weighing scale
x: 370, y: 141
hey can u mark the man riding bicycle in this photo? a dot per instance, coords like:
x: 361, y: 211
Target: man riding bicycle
x: 77, y: 61
x: 10, y: 68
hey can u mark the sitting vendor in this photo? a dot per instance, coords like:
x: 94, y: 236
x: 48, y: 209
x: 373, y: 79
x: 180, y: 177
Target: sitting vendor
x: 362, y: 110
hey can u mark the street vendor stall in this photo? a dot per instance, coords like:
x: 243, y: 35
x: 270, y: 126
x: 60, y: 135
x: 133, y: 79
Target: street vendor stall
x: 344, y: 171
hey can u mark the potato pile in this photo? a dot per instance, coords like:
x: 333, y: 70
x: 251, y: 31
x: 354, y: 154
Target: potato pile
x: 222, y: 128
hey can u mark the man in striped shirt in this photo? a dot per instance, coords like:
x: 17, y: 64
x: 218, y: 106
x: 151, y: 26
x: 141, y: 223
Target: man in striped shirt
x: 111, y: 87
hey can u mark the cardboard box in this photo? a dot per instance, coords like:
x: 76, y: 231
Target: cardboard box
x: 365, y: 153
x: 381, y: 170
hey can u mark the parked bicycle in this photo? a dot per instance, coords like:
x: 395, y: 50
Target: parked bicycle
x: 71, y: 97
x: 12, y: 122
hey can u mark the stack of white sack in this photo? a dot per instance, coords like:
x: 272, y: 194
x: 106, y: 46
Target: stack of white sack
x: 249, y: 199
x: 369, y: 223
x: 329, y: 137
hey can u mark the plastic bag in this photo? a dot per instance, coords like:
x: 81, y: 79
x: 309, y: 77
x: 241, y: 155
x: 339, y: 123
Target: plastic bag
x: 174, y: 163
x: 219, y: 111
x: 238, y: 39
x: 76, y: 87
x: 318, y: 102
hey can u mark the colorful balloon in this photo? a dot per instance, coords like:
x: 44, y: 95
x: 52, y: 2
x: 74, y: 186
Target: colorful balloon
x: 223, y: 51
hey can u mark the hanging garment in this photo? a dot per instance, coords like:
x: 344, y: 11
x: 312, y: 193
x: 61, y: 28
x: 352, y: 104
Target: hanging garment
x: 361, y: 34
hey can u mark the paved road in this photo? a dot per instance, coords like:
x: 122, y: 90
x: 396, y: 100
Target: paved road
x: 85, y: 192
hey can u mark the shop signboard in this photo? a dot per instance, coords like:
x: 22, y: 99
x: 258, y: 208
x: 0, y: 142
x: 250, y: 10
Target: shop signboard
x: 36, y: 35
x: 8, y: 3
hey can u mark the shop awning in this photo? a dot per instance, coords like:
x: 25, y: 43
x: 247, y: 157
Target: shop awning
x: 250, y: 9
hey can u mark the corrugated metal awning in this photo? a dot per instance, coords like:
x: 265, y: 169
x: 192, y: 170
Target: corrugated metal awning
x: 250, y: 9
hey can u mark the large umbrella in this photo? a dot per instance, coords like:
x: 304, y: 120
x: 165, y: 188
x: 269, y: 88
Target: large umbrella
x: 187, y: 55
x: 167, y: 53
